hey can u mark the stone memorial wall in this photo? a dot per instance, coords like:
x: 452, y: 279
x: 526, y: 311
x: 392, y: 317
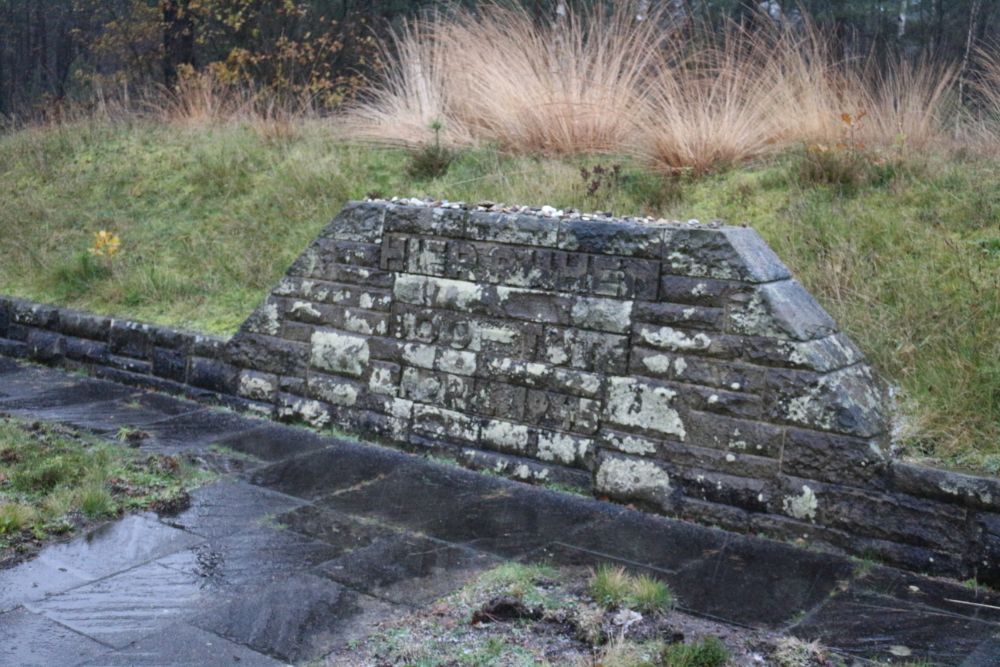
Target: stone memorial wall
x: 677, y: 367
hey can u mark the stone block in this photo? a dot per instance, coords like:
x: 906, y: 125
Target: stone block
x: 736, y: 436
x: 45, y: 346
x: 339, y: 353
x: 644, y: 406
x: 730, y: 253
x: 267, y: 354
x: 779, y: 310
x: 849, y: 401
x: 257, y: 386
x: 130, y: 339
x: 136, y: 366
x: 635, y: 480
x: 512, y: 228
x: 834, y: 458
x: 84, y: 325
x: 443, y: 424
x: 358, y: 221
x: 699, y: 291
x: 946, y: 486
x: 618, y: 237
x: 86, y: 350
x: 213, y: 375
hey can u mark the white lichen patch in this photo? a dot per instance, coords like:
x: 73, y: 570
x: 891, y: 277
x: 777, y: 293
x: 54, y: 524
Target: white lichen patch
x: 339, y: 353
x: 602, y: 314
x: 311, y: 412
x: 673, y: 339
x: 641, y: 405
x: 255, y: 387
x: 802, y: 506
x: 630, y: 444
x: 680, y: 366
x: 421, y: 356
x: 505, y: 435
x: 335, y: 393
x: 657, y: 363
x: 359, y: 325
x: 366, y: 301
x: 560, y: 447
x: 381, y: 382
x: 270, y: 322
x: 410, y: 288
x: 629, y: 477
x: 304, y: 310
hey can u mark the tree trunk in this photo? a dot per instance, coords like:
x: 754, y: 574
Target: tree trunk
x: 178, y: 38
x: 963, y: 71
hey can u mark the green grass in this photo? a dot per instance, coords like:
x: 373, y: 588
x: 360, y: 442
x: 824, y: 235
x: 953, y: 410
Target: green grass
x: 53, y: 480
x: 210, y: 218
x: 614, y: 587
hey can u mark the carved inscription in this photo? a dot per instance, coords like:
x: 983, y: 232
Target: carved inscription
x: 540, y: 268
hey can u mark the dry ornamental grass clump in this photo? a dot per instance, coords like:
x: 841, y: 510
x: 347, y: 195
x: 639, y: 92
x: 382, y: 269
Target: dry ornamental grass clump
x: 684, y: 98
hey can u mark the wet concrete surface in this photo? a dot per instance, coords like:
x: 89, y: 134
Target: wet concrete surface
x: 309, y: 540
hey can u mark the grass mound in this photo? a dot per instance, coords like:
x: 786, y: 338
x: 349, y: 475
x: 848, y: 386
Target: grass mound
x: 903, y: 250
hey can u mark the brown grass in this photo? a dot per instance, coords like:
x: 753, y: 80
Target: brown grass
x: 592, y: 82
x: 569, y: 86
x: 987, y: 90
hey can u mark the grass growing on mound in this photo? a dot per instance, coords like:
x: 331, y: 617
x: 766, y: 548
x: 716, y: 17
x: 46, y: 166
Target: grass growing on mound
x: 906, y: 256
x: 53, y: 480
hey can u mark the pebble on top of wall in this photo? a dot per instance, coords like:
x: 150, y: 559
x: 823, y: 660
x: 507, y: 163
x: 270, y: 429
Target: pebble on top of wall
x: 674, y: 366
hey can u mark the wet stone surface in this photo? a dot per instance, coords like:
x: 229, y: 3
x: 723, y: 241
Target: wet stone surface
x: 316, y: 539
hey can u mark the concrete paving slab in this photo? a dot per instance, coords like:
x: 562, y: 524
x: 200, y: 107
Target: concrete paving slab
x: 227, y: 507
x: 195, y: 431
x: 341, y: 531
x: 297, y: 619
x: 645, y: 539
x: 31, y: 640
x: 136, y: 411
x: 37, y: 579
x: 874, y: 626
x: 407, y: 569
x: 119, y: 545
x: 129, y: 606
x: 44, y: 399
x: 275, y: 442
x: 342, y: 466
x: 254, y: 556
x: 759, y: 583
x: 183, y: 645
x: 465, y: 508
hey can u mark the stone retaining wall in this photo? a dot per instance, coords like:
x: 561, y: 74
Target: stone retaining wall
x: 675, y: 366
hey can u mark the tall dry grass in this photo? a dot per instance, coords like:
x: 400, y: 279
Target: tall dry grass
x: 987, y: 90
x: 571, y: 85
x: 683, y: 99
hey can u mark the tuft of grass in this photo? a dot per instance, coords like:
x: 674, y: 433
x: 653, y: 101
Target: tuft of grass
x: 708, y: 652
x: 612, y: 586
x: 497, y: 75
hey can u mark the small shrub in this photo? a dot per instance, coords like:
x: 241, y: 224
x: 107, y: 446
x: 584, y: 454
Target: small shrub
x: 432, y: 160
x: 708, y: 652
